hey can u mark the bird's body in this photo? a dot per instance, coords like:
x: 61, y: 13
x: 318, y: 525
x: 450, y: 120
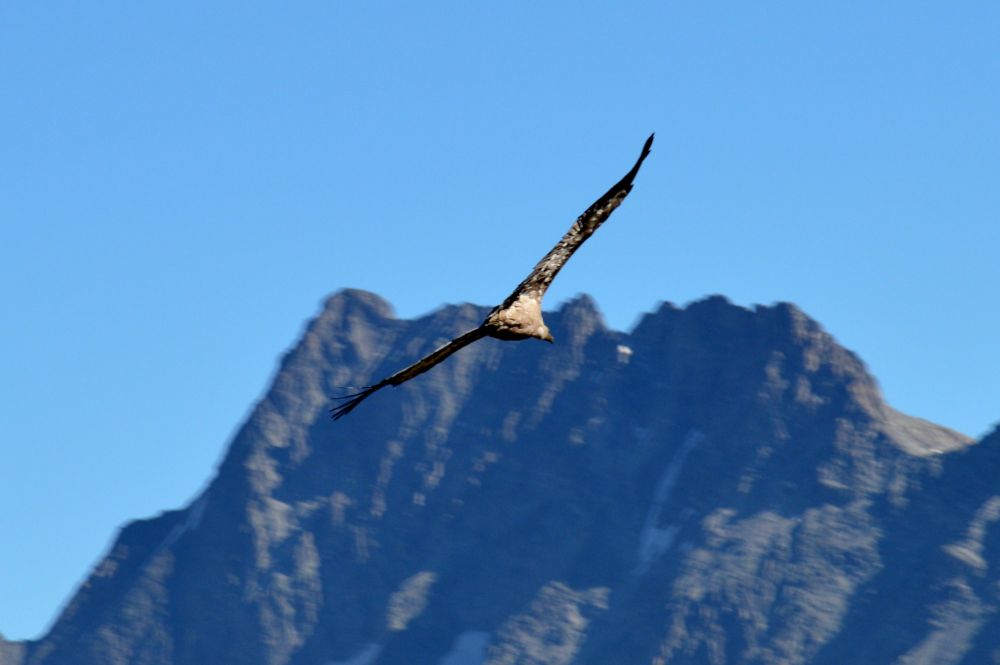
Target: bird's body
x: 519, y: 319
x: 520, y: 315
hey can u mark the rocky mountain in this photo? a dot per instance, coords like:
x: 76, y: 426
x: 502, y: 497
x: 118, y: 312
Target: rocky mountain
x: 720, y: 485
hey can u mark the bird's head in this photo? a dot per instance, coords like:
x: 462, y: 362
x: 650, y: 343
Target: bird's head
x: 545, y: 334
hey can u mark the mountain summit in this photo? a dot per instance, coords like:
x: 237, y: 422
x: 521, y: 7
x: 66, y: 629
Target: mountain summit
x: 720, y: 485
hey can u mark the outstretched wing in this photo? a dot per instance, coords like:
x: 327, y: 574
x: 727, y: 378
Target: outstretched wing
x: 538, y: 281
x: 419, y: 367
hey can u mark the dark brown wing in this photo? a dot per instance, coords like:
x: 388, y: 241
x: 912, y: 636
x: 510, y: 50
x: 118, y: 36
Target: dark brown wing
x: 538, y: 281
x: 419, y: 367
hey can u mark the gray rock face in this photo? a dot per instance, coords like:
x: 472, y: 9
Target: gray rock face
x: 721, y: 485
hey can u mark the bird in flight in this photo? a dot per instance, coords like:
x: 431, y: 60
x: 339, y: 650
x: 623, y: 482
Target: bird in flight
x: 520, y: 315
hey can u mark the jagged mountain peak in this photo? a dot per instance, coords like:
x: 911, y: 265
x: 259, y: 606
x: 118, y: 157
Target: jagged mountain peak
x: 719, y: 484
x: 345, y: 300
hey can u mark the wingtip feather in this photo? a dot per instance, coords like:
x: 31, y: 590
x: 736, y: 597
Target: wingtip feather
x: 645, y: 151
x: 341, y: 410
x: 350, y: 402
x: 626, y: 182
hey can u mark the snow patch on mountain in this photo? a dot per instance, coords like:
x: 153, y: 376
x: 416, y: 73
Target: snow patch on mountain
x: 469, y: 649
x: 655, y: 539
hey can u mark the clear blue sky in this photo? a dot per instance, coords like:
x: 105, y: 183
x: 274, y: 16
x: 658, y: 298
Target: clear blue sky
x: 181, y: 184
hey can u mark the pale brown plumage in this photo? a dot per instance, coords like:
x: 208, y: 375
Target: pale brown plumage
x: 520, y: 315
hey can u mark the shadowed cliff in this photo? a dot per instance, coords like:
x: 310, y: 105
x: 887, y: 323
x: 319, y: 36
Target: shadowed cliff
x: 720, y: 485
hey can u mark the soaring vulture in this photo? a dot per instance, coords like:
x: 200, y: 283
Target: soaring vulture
x: 520, y: 315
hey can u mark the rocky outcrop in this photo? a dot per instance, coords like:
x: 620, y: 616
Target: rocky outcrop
x: 719, y: 485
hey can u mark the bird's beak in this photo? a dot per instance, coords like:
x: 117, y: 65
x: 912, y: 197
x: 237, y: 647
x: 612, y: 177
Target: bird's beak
x: 550, y: 339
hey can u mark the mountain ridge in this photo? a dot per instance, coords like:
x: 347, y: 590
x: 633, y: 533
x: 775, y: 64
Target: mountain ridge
x: 749, y: 472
